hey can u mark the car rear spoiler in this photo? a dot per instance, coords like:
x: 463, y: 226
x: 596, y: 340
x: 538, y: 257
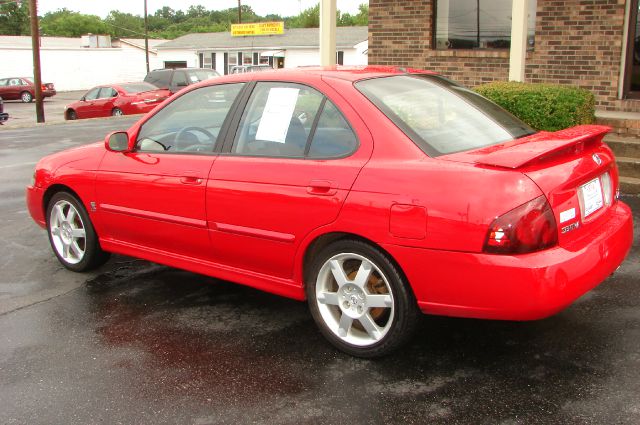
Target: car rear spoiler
x: 541, y: 146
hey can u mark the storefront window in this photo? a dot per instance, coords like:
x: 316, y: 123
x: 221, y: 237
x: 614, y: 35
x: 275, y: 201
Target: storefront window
x: 478, y: 24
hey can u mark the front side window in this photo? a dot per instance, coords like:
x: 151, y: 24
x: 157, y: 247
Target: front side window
x: 440, y: 116
x: 107, y: 92
x: 478, y: 24
x: 92, y: 94
x: 191, y: 123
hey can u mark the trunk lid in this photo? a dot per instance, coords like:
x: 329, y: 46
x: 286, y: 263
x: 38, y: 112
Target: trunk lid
x: 573, y: 168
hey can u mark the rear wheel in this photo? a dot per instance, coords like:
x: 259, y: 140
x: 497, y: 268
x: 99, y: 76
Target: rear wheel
x: 360, y: 299
x: 26, y: 97
x: 71, y: 234
x: 117, y: 112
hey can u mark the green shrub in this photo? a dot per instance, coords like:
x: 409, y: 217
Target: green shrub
x: 543, y: 106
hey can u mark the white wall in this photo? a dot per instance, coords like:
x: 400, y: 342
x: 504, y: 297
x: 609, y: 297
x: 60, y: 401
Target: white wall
x: 188, y: 56
x: 292, y: 59
x: 79, y: 69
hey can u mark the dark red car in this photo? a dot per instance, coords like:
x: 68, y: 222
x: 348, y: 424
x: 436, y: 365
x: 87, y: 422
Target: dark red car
x: 115, y: 100
x: 21, y: 88
x: 373, y: 193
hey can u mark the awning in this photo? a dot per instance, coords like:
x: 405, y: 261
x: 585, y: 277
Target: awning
x: 274, y: 53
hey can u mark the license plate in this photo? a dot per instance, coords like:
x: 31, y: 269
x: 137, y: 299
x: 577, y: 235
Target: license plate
x: 592, y: 196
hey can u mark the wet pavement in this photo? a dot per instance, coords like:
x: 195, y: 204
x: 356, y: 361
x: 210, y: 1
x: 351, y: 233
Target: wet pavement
x: 137, y: 343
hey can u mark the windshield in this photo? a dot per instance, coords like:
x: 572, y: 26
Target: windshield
x: 440, y: 116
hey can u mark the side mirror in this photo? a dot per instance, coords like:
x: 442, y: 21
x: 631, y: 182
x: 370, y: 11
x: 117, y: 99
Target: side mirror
x: 83, y: 99
x: 181, y: 84
x: 118, y: 141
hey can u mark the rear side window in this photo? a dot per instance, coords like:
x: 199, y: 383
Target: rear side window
x: 292, y: 120
x: 179, y: 79
x: 440, y: 116
x: 159, y: 78
x: 333, y: 136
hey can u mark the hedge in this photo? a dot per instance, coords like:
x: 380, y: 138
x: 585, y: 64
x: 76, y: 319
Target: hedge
x: 543, y: 106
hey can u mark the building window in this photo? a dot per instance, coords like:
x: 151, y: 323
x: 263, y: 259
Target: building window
x: 340, y: 57
x: 478, y: 24
x: 200, y: 60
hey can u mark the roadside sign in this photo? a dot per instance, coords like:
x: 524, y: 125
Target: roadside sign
x: 258, y: 28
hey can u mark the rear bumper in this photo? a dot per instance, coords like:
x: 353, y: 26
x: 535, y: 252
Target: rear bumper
x: 48, y: 93
x: 523, y: 287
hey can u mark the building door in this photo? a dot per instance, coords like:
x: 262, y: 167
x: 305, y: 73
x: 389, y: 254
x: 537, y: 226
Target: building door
x: 632, y: 69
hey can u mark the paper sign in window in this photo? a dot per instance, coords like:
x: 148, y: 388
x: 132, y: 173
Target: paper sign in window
x: 277, y: 114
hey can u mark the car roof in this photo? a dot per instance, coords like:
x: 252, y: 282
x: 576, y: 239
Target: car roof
x: 349, y: 73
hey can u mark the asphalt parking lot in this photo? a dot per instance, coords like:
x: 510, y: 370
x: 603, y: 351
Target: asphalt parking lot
x: 137, y: 343
x: 24, y: 114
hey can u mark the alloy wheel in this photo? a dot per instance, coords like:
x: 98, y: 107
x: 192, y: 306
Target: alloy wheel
x: 355, y: 299
x: 68, y: 233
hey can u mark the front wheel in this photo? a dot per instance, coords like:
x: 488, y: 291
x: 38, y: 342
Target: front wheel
x: 26, y: 97
x: 71, y: 234
x: 360, y: 300
x: 117, y: 112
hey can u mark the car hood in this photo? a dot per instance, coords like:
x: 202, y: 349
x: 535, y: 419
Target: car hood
x: 86, y: 157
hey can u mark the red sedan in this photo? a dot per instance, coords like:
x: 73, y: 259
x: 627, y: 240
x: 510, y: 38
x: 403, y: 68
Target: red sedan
x: 373, y: 193
x: 21, y: 88
x: 116, y: 100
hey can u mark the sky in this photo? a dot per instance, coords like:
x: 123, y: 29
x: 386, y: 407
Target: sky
x: 136, y: 7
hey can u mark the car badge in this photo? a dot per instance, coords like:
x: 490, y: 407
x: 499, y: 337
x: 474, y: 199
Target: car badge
x: 596, y: 159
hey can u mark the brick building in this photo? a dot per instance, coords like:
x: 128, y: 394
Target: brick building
x: 588, y: 43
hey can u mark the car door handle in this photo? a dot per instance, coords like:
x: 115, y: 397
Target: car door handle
x: 190, y: 180
x: 322, y: 188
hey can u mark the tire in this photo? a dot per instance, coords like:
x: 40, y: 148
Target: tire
x: 360, y: 300
x: 71, y: 234
x: 26, y: 97
x: 117, y: 112
x: 71, y: 115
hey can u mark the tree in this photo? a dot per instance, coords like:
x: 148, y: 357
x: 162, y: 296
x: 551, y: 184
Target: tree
x: 362, y: 18
x: 125, y: 24
x: 14, y: 18
x: 66, y: 23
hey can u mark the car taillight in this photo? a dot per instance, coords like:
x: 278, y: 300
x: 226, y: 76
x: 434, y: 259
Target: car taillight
x: 527, y: 228
x: 44, y: 87
x: 607, y: 188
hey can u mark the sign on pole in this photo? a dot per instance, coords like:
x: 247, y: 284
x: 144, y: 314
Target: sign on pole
x: 258, y: 28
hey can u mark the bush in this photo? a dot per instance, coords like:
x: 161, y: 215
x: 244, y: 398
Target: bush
x: 543, y: 106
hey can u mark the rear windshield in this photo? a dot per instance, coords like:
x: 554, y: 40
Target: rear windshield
x: 440, y: 116
x: 138, y: 87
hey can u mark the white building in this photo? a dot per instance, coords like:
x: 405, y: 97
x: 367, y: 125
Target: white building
x: 78, y: 63
x: 295, y: 47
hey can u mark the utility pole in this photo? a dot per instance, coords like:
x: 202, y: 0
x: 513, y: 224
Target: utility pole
x: 239, y: 12
x: 146, y: 36
x: 35, y: 46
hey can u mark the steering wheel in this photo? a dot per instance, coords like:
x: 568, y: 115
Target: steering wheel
x: 194, y: 147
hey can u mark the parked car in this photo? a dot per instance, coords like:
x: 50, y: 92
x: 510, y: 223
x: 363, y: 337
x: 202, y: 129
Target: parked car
x: 22, y: 88
x: 116, y: 100
x: 3, y: 115
x: 241, y: 69
x: 176, y: 79
x: 373, y: 193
